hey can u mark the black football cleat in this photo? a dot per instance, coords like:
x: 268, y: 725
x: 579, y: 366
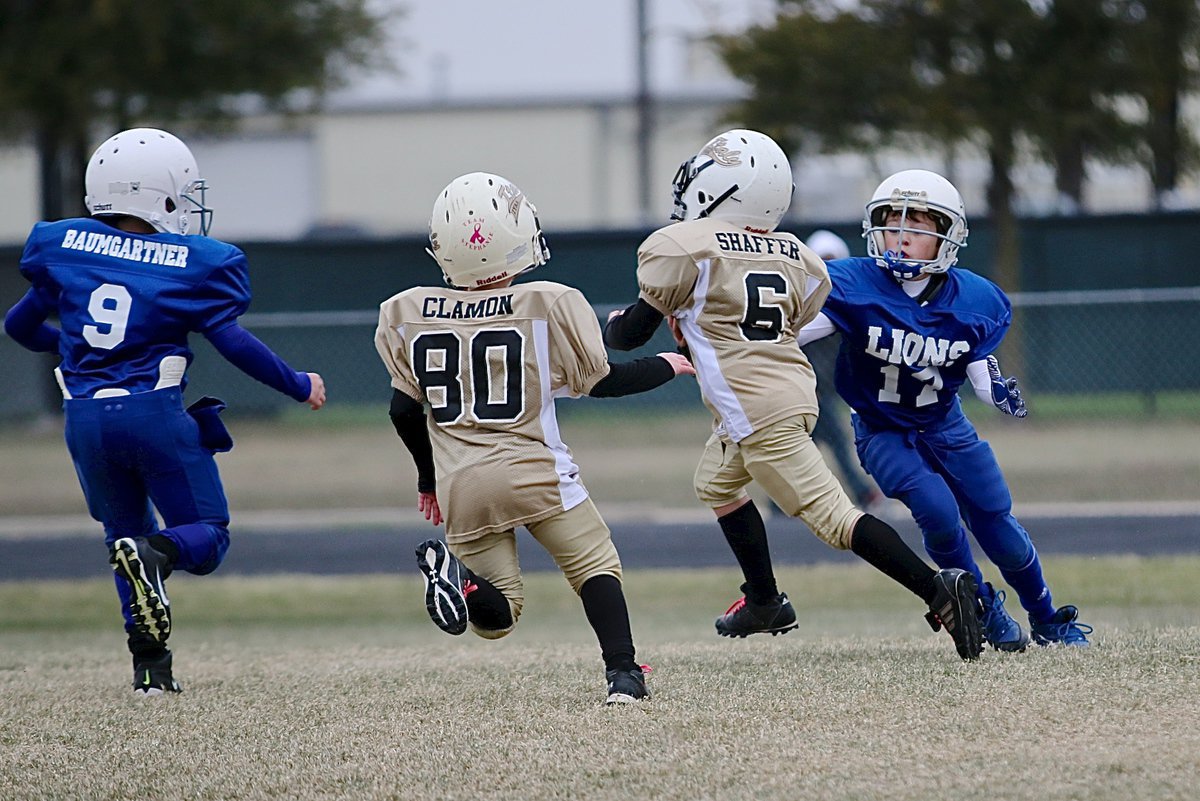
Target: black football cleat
x: 145, y: 570
x: 746, y: 617
x: 445, y: 586
x: 152, y: 677
x: 956, y: 608
x: 626, y: 686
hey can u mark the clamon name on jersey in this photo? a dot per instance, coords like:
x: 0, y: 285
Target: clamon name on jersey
x: 126, y: 247
x: 737, y: 242
x: 913, y: 349
x: 494, y: 306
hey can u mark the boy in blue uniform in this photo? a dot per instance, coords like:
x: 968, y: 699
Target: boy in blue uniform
x: 128, y: 285
x: 912, y: 333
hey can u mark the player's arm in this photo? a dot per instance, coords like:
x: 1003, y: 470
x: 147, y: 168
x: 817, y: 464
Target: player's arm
x: 641, y: 375
x: 26, y: 324
x: 818, y: 328
x: 248, y: 353
x: 408, y: 418
x: 632, y: 327
x: 992, y: 387
x: 217, y: 303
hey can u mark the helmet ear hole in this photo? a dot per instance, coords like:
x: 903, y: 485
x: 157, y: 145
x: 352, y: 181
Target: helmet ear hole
x: 170, y: 205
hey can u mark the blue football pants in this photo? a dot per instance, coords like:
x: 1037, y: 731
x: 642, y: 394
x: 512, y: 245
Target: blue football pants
x: 945, y: 475
x: 137, y: 453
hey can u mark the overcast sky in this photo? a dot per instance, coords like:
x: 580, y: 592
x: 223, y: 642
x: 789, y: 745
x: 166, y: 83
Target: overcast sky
x: 455, y: 50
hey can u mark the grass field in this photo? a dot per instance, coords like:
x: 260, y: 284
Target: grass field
x: 318, y: 688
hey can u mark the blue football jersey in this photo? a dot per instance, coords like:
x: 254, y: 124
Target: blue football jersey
x: 901, y: 364
x: 127, y: 301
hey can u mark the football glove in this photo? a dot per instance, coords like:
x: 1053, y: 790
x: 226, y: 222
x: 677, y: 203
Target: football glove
x: 1006, y: 395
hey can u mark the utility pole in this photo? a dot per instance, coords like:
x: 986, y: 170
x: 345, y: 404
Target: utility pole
x: 645, y: 124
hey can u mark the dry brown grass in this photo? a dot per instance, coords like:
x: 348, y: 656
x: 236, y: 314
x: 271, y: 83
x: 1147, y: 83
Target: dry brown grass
x: 319, y: 688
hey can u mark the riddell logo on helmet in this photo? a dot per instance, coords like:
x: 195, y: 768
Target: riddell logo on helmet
x: 492, y: 279
x: 476, y: 240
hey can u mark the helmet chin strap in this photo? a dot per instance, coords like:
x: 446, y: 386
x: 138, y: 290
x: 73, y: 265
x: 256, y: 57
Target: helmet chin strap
x: 724, y: 196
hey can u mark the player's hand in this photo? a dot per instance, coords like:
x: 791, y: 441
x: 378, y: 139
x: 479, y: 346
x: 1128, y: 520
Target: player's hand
x: 676, y: 331
x: 316, y: 397
x: 1006, y: 395
x: 679, y: 363
x: 615, y: 313
x: 427, y: 503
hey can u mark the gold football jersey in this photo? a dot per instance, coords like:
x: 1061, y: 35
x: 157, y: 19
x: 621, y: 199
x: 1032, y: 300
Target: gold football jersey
x: 739, y: 298
x: 490, y: 363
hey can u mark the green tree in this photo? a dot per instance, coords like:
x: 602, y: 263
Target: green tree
x: 950, y: 72
x: 1163, y: 51
x: 1082, y: 64
x: 68, y: 67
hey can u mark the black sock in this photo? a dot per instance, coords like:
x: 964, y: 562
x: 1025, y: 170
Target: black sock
x: 144, y: 647
x: 604, y: 605
x: 164, y: 545
x: 747, y: 537
x: 486, y: 606
x: 879, y: 544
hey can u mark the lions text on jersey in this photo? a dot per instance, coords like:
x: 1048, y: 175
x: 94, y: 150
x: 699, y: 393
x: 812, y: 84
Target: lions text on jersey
x: 902, y: 362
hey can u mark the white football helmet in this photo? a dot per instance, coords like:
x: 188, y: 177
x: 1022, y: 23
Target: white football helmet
x: 148, y: 174
x: 828, y: 245
x: 483, y: 230
x: 919, y: 190
x: 740, y: 176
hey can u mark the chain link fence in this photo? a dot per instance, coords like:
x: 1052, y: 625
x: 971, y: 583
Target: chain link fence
x: 1125, y: 344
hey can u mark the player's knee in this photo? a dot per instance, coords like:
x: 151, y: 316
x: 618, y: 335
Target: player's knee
x: 937, y: 519
x: 610, y: 568
x: 210, y: 548
x: 1016, y: 553
x: 945, y: 538
x: 715, y: 496
x: 599, y: 560
x: 494, y: 622
x: 491, y: 634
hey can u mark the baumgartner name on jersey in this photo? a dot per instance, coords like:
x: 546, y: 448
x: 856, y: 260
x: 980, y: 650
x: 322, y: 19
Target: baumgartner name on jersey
x: 134, y: 298
x: 120, y: 246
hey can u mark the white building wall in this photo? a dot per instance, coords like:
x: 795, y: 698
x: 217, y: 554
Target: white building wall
x: 377, y: 171
x: 20, y: 199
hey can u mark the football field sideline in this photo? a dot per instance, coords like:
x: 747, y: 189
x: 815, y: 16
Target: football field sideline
x: 367, y: 540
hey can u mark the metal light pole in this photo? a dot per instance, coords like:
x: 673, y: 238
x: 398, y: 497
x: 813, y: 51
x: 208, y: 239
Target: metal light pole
x: 644, y: 112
